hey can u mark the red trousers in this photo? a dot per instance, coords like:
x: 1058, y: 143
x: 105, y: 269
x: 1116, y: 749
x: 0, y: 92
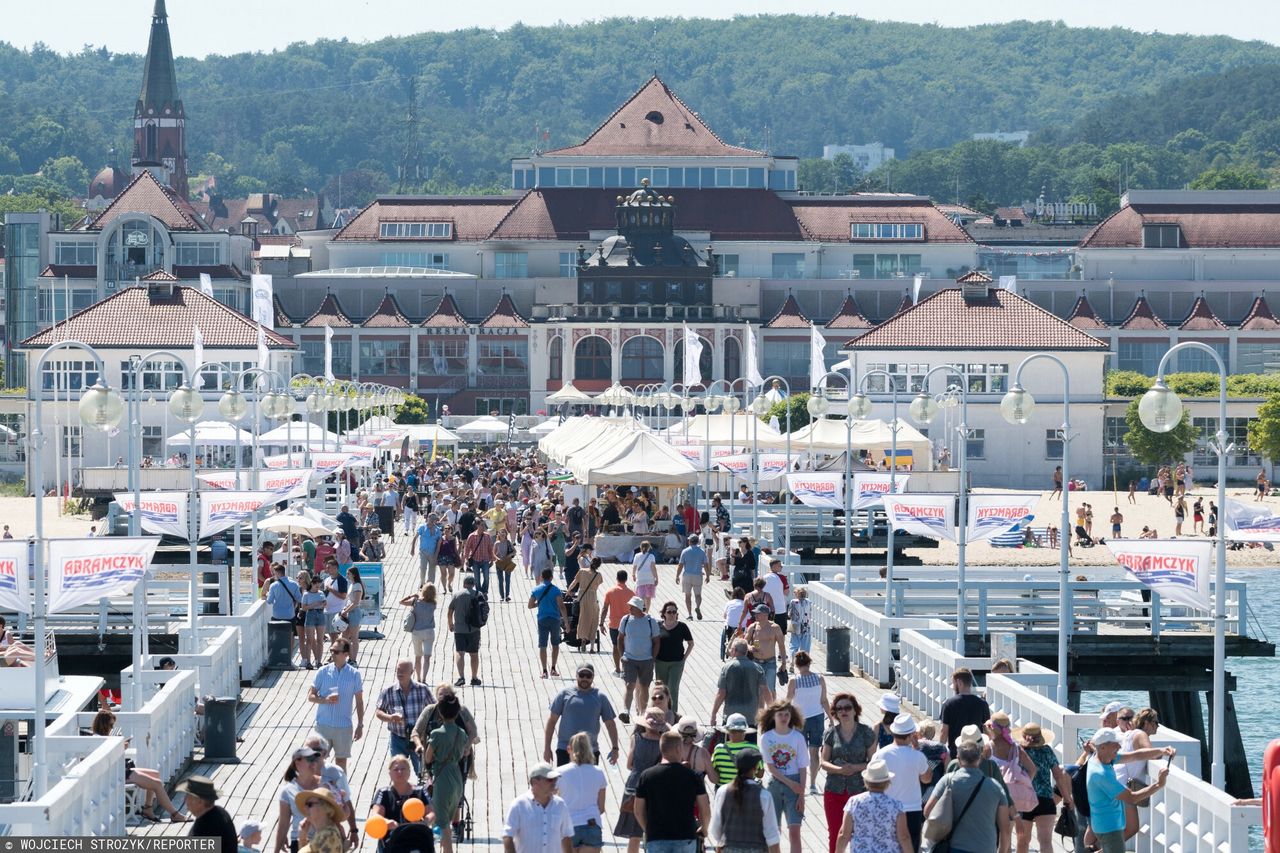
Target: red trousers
x: 833, y: 805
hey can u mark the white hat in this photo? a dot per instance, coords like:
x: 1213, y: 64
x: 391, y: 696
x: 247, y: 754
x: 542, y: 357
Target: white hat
x: 971, y: 735
x: 736, y: 723
x: 876, y: 771
x: 903, y: 724
x: 1111, y: 708
x: 1105, y: 736
x: 891, y: 703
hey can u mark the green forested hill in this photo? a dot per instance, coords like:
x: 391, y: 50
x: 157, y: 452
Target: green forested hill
x: 298, y: 117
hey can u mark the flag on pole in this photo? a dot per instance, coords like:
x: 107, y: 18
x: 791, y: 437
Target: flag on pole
x: 262, y: 298
x: 753, y: 360
x: 817, y: 363
x: 915, y: 289
x: 1009, y: 283
x: 206, y: 284
x: 197, y: 344
x: 692, y: 358
x: 262, y: 348
x: 328, y: 352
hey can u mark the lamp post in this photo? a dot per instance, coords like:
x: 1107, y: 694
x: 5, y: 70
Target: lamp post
x: 924, y: 409
x: 260, y: 405
x: 761, y: 405
x: 1160, y: 411
x: 1016, y: 407
x: 817, y: 412
x: 100, y: 408
x: 860, y: 408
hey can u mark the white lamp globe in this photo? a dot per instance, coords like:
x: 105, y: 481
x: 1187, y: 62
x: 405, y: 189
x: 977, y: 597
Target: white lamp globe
x: 101, y: 408
x: 315, y: 403
x: 761, y: 405
x: 1160, y: 410
x: 859, y: 406
x: 817, y: 406
x: 711, y: 403
x: 186, y: 404
x: 1016, y: 406
x: 232, y: 406
x: 687, y: 403
x: 732, y: 405
x: 923, y: 409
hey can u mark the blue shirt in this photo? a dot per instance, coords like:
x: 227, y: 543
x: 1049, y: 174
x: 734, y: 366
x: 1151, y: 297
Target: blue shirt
x: 428, y: 537
x: 348, y: 683
x: 284, y: 597
x: 692, y: 559
x: 1106, y: 813
x: 548, y: 596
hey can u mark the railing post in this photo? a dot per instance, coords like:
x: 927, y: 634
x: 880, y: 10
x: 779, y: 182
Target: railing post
x: 1155, y: 614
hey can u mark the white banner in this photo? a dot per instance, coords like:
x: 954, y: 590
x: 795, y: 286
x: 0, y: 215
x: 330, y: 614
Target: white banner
x: 81, y: 571
x: 263, y: 290
x: 285, y: 484
x: 817, y: 359
x: 222, y: 509
x: 754, y: 379
x: 695, y: 453
x: 1009, y: 283
x: 162, y: 512
x: 869, y: 489
x: 197, y: 344
x: 1178, y: 569
x: 14, y: 569
x: 818, y: 490
x: 324, y: 463
x: 692, y: 371
x: 361, y: 457
x: 993, y: 514
x: 772, y: 465
x: 932, y: 515
x: 206, y: 284
x: 1250, y: 522
x: 328, y: 353
x: 220, y: 480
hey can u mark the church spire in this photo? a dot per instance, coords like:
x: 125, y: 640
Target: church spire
x: 159, y: 119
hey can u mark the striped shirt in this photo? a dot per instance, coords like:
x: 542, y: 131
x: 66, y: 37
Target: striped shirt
x: 722, y: 758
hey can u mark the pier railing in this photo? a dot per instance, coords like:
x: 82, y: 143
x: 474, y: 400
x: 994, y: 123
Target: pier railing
x: 1189, y: 814
x: 251, y: 636
x: 87, y: 797
x: 926, y: 664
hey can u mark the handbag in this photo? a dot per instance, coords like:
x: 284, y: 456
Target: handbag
x: 1067, y: 825
x: 410, y: 619
x: 939, y: 826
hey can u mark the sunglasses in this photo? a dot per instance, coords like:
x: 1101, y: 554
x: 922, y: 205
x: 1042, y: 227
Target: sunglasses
x: 842, y: 708
x: 585, y: 676
x: 1128, y: 719
x: 658, y: 696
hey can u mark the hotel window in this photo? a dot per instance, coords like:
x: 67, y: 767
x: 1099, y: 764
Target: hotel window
x: 555, y: 358
x: 442, y: 356
x: 642, y: 360
x: 593, y: 359
x: 644, y: 292
x: 71, y: 442
x: 75, y: 254
x: 568, y: 264
x: 727, y: 265
x: 657, y: 175
x: 415, y: 230
x: 571, y: 177
x: 503, y: 358
x: 502, y: 406
x: 1113, y: 433
x: 1256, y: 358
x: 1237, y: 434
x: 68, y: 375
x: 886, y: 231
x: 977, y: 444
x: 1193, y: 360
x: 427, y: 260
x: 731, y: 177
x: 788, y: 265
x: 788, y: 359
x: 511, y: 264
x: 162, y: 375
x: 1053, y: 444
x: 907, y: 377
x: 313, y: 357
x: 232, y: 297
x: 383, y: 358
x: 191, y: 254
x: 152, y: 441
x: 1141, y: 356
x: 52, y: 305
x: 1159, y: 235
x: 984, y: 378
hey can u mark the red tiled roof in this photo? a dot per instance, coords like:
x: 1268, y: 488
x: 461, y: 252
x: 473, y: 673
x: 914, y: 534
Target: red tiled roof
x: 974, y: 277
x: 1260, y: 318
x: 70, y: 271
x: 160, y: 275
x: 946, y: 320
x: 504, y: 315
x: 214, y: 271
x: 829, y: 220
x: 446, y: 315
x: 1202, y: 319
x: 654, y: 122
x: 473, y: 217
x: 301, y: 214
x: 1142, y: 317
x: 1203, y: 226
x: 387, y: 315
x: 281, y: 317
x: 789, y: 316
x: 1011, y: 214
x: 145, y: 194
x: 849, y: 316
x: 1084, y: 317
x: 329, y: 313
x: 904, y: 305
x: 138, y: 317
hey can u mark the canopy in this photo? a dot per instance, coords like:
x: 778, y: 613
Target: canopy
x: 300, y: 432
x: 486, y: 425
x: 429, y: 432
x: 300, y: 522
x: 570, y: 395
x: 599, y: 452
x: 545, y: 427
x: 738, y: 430
x: 829, y: 436
x: 212, y: 434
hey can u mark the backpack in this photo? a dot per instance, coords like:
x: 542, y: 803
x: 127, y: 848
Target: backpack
x: 1018, y: 781
x: 480, y: 611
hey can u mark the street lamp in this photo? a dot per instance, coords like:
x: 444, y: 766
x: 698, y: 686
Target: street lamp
x: 860, y: 408
x: 761, y: 406
x: 1017, y: 408
x: 818, y: 406
x: 1160, y: 410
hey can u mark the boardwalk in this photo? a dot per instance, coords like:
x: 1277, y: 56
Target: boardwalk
x: 510, y: 709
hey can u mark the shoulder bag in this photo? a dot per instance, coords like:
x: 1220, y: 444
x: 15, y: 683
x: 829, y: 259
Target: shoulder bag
x: 940, y: 826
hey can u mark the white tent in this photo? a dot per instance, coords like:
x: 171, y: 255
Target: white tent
x: 430, y: 432
x: 571, y: 436
x: 829, y: 436
x: 738, y: 430
x: 545, y: 427
x: 486, y: 425
x: 597, y: 452
x: 570, y: 395
x: 212, y: 434
x: 300, y: 432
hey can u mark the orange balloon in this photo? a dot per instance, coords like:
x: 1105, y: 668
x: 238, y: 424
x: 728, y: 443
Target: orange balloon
x: 413, y: 810
x: 376, y: 826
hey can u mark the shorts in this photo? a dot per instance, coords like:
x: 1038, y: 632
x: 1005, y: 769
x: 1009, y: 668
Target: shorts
x: 340, y: 738
x: 633, y: 670
x: 646, y: 590
x: 813, y: 729
x: 1115, y: 531
x: 588, y: 834
x: 314, y: 619
x: 1111, y: 842
x: 1044, y: 807
x: 688, y: 583
x: 548, y: 630
x: 468, y: 643
x: 786, y: 801
x: 423, y: 641
x: 613, y: 637
x: 353, y: 618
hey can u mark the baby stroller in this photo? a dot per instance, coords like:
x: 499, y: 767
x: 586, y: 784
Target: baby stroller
x: 464, y: 826
x: 410, y: 838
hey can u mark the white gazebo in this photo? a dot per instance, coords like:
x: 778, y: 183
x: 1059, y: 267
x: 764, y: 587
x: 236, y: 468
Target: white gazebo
x: 569, y: 395
x: 211, y: 434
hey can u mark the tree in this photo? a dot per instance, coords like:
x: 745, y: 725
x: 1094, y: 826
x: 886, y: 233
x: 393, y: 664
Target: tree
x: 1264, y: 430
x: 799, y: 405
x: 413, y: 411
x: 1239, y: 178
x: 1158, y: 448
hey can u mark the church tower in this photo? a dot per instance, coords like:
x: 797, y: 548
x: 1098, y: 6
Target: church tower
x: 159, y: 120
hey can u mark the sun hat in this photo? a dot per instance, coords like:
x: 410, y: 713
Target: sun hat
x: 890, y: 703
x: 687, y: 724
x: 877, y: 771
x: 198, y: 786
x: 903, y: 724
x: 637, y: 602
x: 1034, y: 733
x: 323, y: 795
x: 971, y: 736
x: 1000, y: 720
x: 1105, y: 736
x: 736, y: 723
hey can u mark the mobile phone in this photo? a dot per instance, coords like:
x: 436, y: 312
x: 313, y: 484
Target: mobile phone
x: 1168, y: 760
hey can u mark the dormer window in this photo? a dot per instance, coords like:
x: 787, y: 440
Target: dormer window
x: 1161, y: 235
x: 415, y: 230
x: 886, y: 231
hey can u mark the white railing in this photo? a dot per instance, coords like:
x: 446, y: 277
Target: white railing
x: 217, y: 666
x: 871, y: 634
x: 251, y: 634
x: 1192, y: 816
x: 926, y: 665
x: 87, y: 799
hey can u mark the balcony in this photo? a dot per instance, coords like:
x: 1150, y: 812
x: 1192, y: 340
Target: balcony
x: 645, y: 313
x: 126, y: 273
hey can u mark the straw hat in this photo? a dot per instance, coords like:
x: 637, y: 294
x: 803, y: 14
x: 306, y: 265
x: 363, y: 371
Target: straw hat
x: 876, y: 772
x: 324, y: 795
x: 1034, y: 734
x: 1000, y: 720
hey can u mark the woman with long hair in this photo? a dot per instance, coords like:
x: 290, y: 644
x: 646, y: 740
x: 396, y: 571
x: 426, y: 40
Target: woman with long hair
x: 444, y: 751
x: 786, y: 757
x: 742, y: 816
x: 423, y: 633
x: 847, y: 747
x: 302, y: 774
x: 447, y: 559
x: 300, y: 615
x: 587, y: 584
x: 146, y: 778
x: 582, y: 785
x: 644, y: 753
x: 808, y: 692
x: 675, y: 644
x: 1048, y: 779
x: 352, y: 611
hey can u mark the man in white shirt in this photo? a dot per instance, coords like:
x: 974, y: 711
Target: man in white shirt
x: 538, y: 821
x: 776, y: 589
x: 910, y: 770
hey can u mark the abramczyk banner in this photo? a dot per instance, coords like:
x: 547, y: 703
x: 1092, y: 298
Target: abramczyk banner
x: 818, y: 490
x: 283, y: 484
x: 219, y: 480
x: 14, y: 594
x: 772, y: 465
x: 1178, y: 569
x: 222, y: 509
x: 870, y: 489
x: 993, y: 514
x: 361, y: 457
x: 1251, y: 522
x: 932, y: 515
x: 325, y: 463
x: 81, y: 571
x: 162, y: 512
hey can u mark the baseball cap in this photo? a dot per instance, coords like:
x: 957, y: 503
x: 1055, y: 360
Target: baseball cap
x: 542, y: 771
x: 305, y: 752
x: 1105, y: 736
x: 762, y: 608
x: 1111, y: 708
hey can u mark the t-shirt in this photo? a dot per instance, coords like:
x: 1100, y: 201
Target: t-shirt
x: 963, y: 709
x: 428, y: 537
x: 617, y: 599
x: 1106, y: 813
x: 733, y: 612
x: 579, y: 785
x: 646, y: 567
x: 692, y: 560
x: 580, y: 711
x: 637, y: 633
x: 788, y: 753
x: 392, y: 803
x: 670, y: 793
x: 740, y: 679
x: 907, y: 766
x: 672, y: 643
x: 776, y: 592
x: 722, y: 759
x: 216, y: 823
x: 978, y: 829
x: 336, y: 584
x: 461, y: 607
x: 548, y: 596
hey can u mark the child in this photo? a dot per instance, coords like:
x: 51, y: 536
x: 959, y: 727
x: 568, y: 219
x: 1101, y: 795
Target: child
x: 250, y: 836
x: 313, y: 623
x: 934, y: 751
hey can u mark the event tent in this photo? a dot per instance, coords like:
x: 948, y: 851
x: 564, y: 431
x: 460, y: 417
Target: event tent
x: 828, y: 435
x: 738, y: 430
x: 298, y: 433
x: 545, y: 427
x: 569, y: 395
x: 600, y: 452
x: 487, y: 425
x: 212, y: 434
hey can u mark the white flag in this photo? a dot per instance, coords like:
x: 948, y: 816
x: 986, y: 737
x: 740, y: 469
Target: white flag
x: 932, y: 515
x: 162, y: 512
x: 752, y: 374
x: 1178, y: 569
x: 328, y: 353
x: 818, y: 490
x: 869, y: 489
x: 993, y: 514
x: 263, y: 290
x: 692, y: 358
x: 284, y: 484
x: 817, y: 361
x: 14, y: 568
x: 222, y: 509
x: 1250, y: 522
x: 206, y: 284
x: 1009, y: 283
x: 197, y: 344
x: 263, y: 354
x: 915, y: 289
x: 82, y: 571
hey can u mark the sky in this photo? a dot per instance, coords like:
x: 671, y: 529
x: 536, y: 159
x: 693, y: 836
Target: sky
x: 200, y: 27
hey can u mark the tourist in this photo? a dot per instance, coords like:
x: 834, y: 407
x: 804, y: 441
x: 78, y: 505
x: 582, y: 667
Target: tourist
x: 582, y: 785
x: 445, y: 748
x: 669, y: 797
x: 1109, y: 716
x: 1108, y: 796
x: 265, y: 553
x: 580, y: 710
x: 211, y: 819
x: 389, y: 800
x: 373, y: 551
x: 1262, y: 486
x: 146, y: 778
x: 765, y: 640
x: 645, y: 752
x: 284, y: 597
x: 1057, y: 483
x: 576, y: 517
x: 909, y: 769
x: 742, y: 815
x: 250, y: 837
x: 314, y: 622
x: 586, y: 604
x: 335, y: 589
x: 980, y: 813
x: 775, y: 590
x: 808, y: 693
x: 1179, y: 515
x: 538, y: 821
x: 744, y: 564
x: 723, y: 757
x: 1048, y: 779
x: 477, y: 556
x: 541, y: 556
x: 342, y: 550
x: 675, y: 644
x: 548, y: 600
x: 1117, y: 519
x: 872, y: 820
x: 786, y: 756
x: 1015, y: 766
x: 740, y: 688
x: 733, y: 612
x: 644, y: 568
x: 692, y: 566
x: 616, y: 605
x: 319, y: 832
x: 1135, y: 738
x: 336, y: 688
x: 660, y: 697
x: 694, y: 755
x: 347, y: 522
x: 965, y: 708
x: 302, y: 774
x: 639, y: 635
x: 448, y: 557
x: 399, y: 706
x: 799, y: 615
x: 427, y: 546
x: 353, y: 611
x: 846, y: 750
x: 466, y: 629
x: 409, y: 510
x: 420, y: 622
x: 504, y: 561
x: 387, y: 503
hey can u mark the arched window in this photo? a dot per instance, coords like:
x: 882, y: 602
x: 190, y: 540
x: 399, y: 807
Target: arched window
x: 732, y: 359
x: 642, y: 360
x: 593, y: 359
x: 555, y: 359
x: 704, y: 361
